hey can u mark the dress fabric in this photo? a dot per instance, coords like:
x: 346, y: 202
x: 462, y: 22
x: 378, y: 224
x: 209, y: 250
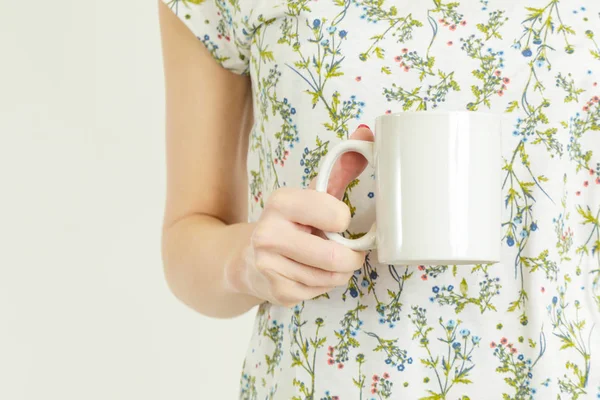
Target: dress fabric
x: 527, y: 327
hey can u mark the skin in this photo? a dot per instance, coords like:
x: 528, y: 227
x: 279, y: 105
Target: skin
x: 214, y: 260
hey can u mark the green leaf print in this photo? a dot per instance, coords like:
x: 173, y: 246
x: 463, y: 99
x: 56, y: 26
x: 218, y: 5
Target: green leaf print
x: 541, y: 262
x: 572, y: 336
x: 534, y: 44
x: 490, y: 71
x: 275, y: 334
x: 579, y: 126
x: 399, y: 27
x: 452, y: 367
x: 464, y: 287
x: 591, y: 247
x: 322, y: 66
x: 519, y: 368
x: 491, y: 28
x: 489, y: 288
x: 303, y: 351
x: 248, y: 387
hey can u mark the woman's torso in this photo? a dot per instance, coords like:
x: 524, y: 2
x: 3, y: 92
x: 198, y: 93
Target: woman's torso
x: 523, y: 328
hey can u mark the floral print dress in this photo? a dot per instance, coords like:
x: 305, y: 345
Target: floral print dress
x: 528, y: 327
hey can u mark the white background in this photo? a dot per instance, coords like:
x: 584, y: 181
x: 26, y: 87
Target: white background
x: 85, y: 312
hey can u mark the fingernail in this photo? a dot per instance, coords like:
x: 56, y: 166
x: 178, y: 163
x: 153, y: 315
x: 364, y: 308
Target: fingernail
x: 363, y: 126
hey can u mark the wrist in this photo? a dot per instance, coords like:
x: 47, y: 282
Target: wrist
x: 236, y: 277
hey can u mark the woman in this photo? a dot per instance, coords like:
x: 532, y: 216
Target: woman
x: 258, y: 91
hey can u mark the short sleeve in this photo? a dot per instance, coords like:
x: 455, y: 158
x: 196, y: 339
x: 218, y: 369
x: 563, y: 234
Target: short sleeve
x: 222, y: 26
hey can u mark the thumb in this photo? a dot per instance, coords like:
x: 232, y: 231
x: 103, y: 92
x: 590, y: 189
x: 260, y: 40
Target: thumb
x: 349, y: 166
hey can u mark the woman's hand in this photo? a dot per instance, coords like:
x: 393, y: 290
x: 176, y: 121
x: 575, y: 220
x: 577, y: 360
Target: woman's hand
x: 289, y: 258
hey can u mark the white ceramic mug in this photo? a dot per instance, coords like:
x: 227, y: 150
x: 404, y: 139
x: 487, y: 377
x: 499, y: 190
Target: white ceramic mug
x: 438, y: 188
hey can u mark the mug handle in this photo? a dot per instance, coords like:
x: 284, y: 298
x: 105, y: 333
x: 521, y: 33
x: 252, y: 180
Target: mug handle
x: 366, y: 148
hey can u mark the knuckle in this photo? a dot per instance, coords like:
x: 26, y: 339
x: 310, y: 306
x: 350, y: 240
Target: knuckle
x: 340, y: 278
x: 344, y: 260
x: 279, y: 293
x: 261, y: 237
x: 260, y: 261
x: 278, y: 199
x: 360, y: 260
x: 333, y: 256
x: 314, y: 277
x: 341, y: 216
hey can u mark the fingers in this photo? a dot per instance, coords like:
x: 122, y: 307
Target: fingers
x: 301, y: 273
x: 289, y: 293
x: 348, y: 167
x: 284, y: 238
x: 309, y: 207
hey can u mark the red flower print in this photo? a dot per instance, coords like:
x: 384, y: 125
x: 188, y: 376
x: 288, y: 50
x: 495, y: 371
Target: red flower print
x: 275, y: 161
x: 335, y: 398
x: 506, y: 80
x: 513, y: 350
x: 421, y: 268
x: 578, y: 193
x: 424, y: 277
x: 585, y: 108
x: 497, y: 73
x: 373, y: 390
x: 598, y: 181
x: 282, y: 163
x: 586, y: 183
x: 595, y: 84
x: 219, y: 36
x: 493, y: 345
x: 543, y: 289
x: 595, y: 99
x: 397, y: 58
x: 441, y: 20
x: 375, y: 378
x: 340, y: 366
x: 452, y: 27
x: 510, y: 345
x: 404, y: 50
x: 406, y: 68
x: 591, y: 171
x: 386, y: 375
x: 286, y: 152
x: 228, y: 38
x: 388, y: 111
x: 330, y: 349
x: 450, y: 43
x: 374, y: 384
x: 463, y: 23
x: 358, y: 78
x: 504, y: 340
x: 256, y: 199
x: 330, y: 361
x: 500, y: 93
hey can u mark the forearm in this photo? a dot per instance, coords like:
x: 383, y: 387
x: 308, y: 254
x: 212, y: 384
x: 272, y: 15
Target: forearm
x: 197, y: 250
